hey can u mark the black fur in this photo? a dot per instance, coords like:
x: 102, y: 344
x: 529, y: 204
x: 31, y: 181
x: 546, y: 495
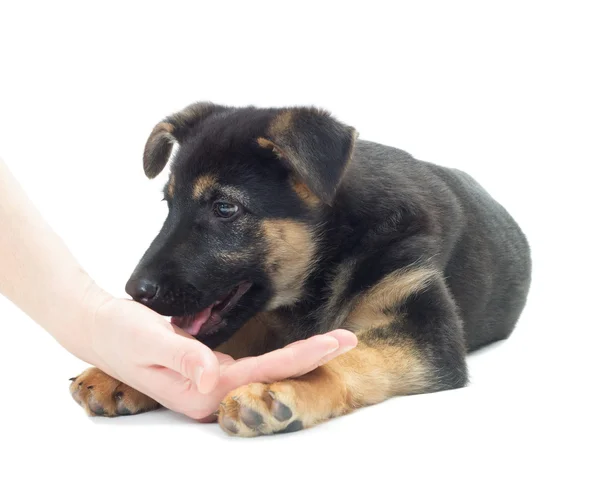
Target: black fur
x: 382, y: 211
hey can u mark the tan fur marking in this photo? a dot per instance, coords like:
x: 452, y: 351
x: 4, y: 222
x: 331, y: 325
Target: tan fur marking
x: 166, y: 126
x: 290, y: 258
x: 305, y: 194
x: 171, y: 187
x: 268, y: 144
x: 158, y: 148
x: 395, y: 288
x: 281, y: 129
x: 162, y: 128
x: 285, y: 145
x: 202, y: 184
x: 282, y: 123
x: 316, y: 396
x: 299, y: 187
x: 374, y: 373
x: 250, y: 340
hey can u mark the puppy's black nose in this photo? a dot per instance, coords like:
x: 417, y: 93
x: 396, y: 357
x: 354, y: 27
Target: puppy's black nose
x: 142, y: 289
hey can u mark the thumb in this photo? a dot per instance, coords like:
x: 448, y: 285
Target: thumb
x: 178, y: 351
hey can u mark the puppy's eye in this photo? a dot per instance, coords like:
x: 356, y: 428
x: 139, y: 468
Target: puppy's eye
x: 223, y: 209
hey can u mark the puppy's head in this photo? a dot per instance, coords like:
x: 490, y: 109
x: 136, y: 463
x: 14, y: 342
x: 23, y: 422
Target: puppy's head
x: 246, y: 193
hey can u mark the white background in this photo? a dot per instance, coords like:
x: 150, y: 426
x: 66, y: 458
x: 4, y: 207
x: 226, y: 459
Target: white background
x: 509, y: 94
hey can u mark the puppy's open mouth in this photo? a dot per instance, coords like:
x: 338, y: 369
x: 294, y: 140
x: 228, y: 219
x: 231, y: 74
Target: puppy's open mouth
x: 210, y: 319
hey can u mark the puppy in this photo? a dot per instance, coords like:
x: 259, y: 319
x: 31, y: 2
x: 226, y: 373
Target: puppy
x: 283, y: 225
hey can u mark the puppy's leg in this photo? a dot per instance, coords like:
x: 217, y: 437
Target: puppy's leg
x: 101, y: 395
x: 412, y: 347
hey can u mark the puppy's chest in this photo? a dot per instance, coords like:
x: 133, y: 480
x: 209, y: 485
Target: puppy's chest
x: 301, y: 322
x: 325, y: 306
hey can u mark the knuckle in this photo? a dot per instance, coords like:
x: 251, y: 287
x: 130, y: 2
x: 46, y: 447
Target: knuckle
x: 180, y: 360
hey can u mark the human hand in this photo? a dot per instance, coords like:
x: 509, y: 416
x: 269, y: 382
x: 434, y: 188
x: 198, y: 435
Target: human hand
x: 142, y: 349
x: 293, y: 360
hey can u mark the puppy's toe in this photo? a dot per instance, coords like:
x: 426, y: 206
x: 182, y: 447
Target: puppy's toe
x: 257, y: 409
x: 101, y: 395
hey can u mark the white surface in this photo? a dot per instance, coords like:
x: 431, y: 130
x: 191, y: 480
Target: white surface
x: 509, y: 95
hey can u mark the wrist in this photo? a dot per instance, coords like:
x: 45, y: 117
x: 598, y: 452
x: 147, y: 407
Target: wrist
x: 75, y: 332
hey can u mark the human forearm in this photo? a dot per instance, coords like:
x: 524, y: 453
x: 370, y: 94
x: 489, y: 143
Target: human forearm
x: 37, y: 271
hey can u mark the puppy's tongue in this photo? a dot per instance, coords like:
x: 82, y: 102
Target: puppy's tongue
x: 192, y: 324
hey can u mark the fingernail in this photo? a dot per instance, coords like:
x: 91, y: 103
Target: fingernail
x: 336, y: 343
x: 198, y: 376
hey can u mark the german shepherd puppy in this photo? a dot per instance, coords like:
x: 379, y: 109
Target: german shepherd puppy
x: 283, y: 225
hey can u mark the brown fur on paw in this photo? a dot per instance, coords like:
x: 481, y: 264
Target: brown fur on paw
x: 102, y: 395
x: 260, y: 409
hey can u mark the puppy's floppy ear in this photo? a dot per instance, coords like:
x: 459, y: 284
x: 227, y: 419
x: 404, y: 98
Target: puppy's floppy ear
x: 171, y: 130
x: 313, y: 145
x: 158, y: 148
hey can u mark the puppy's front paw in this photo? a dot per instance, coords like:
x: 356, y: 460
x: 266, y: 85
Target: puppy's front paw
x: 101, y: 395
x: 260, y: 409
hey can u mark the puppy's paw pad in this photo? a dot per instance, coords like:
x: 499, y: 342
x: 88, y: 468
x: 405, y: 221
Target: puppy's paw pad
x: 280, y: 411
x: 258, y: 409
x: 229, y: 425
x: 251, y: 418
x: 293, y: 426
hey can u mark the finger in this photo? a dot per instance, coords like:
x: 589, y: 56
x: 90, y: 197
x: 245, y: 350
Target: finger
x: 223, y: 358
x: 345, y: 338
x: 177, y: 393
x: 305, y: 356
x: 295, y: 343
x: 290, y: 361
x: 347, y: 341
x: 212, y: 418
x: 188, y: 357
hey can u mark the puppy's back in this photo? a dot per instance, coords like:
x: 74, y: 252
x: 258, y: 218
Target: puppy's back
x: 484, y: 254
